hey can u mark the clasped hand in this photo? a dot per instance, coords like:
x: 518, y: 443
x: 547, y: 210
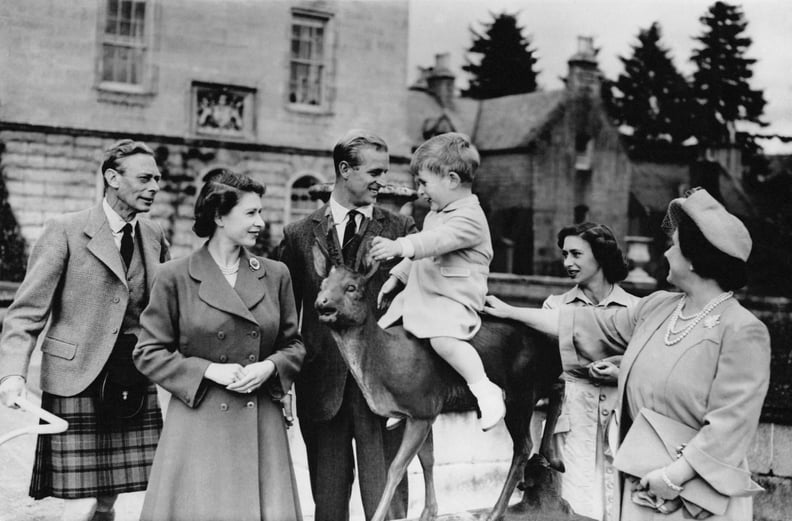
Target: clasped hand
x: 238, y: 378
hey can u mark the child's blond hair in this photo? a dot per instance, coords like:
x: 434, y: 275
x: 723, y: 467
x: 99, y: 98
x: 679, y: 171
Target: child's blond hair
x: 450, y: 152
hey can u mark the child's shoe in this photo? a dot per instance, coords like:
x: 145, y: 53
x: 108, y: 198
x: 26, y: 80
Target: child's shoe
x: 490, y: 402
x: 392, y: 423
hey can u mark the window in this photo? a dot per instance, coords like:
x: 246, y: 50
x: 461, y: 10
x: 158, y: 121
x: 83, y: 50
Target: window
x: 125, y: 36
x: 300, y: 203
x: 308, y: 59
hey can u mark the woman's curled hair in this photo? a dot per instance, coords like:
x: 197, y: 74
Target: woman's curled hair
x: 603, y: 245
x: 220, y: 193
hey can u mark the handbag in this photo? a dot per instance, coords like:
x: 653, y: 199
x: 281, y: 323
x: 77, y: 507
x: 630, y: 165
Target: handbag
x: 121, y: 388
x: 655, y: 441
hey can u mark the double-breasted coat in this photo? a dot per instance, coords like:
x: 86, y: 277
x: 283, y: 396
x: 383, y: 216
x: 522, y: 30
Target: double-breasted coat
x: 714, y: 380
x: 222, y: 455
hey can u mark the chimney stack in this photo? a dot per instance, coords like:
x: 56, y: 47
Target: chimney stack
x: 584, y: 73
x: 440, y: 80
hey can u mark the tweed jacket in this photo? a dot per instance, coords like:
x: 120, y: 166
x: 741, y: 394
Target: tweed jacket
x: 446, y: 279
x: 320, y: 384
x: 715, y: 380
x: 76, y: 280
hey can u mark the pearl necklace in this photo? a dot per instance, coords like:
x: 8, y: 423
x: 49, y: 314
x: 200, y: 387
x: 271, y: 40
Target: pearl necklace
x: 230, y: 269
x: 698, y: 317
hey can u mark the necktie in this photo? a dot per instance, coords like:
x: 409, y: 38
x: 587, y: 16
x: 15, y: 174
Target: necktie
x: 127, y: 244
x: 351, y: 226
x: 349, y: 234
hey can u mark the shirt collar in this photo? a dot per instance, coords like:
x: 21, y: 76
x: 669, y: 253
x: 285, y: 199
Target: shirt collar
x: 115, y: 221
x: 339, y: 212
x: 468, y: 200
x: 617, y: 297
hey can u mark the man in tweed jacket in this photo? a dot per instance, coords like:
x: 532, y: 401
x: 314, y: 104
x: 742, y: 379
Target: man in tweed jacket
x: 330, y: 406
x: 89, y: 275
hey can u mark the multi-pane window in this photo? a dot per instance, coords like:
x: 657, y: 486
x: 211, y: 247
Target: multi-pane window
x: 301, y: 203
x: 307, y: 67
x: 124, y: 42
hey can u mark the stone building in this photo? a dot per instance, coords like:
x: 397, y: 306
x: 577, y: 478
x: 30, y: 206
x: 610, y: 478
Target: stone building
x: 548, y: 158
x: 264, y: 88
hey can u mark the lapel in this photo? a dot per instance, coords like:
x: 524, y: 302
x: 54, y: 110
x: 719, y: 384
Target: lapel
x: 148, y: 240
x: 101, y: 243
x: 321, y: 226
x: 248, y: 287
x: 654, y: 319
x: 215, y: 290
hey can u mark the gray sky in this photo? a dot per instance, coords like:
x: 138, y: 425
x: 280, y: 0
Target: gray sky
x: 438, y: 26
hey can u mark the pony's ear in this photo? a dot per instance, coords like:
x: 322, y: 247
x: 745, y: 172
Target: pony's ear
x: 320, y: 261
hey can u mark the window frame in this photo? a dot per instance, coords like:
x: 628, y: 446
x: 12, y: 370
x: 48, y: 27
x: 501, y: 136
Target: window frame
x: 145, y: 45
x: 288, y: 216
x: 315, y: 19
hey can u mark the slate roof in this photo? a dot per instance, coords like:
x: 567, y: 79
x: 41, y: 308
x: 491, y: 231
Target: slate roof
x: 493, y: 124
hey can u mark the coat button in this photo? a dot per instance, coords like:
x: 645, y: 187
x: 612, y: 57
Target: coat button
x: 603, y: 397
x: 254, y: 333
x: 221, y: 335
x: 223, y: 406
x: 252, y: 358
x: 604, y: 413
x: 223, y: 358
x: 250, y: 405
x: 115, y: 330
x: 116, y: 300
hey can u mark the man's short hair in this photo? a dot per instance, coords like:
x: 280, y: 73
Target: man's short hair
x: 347, y: 148
x: 121, y: 149
x: 449, y: 152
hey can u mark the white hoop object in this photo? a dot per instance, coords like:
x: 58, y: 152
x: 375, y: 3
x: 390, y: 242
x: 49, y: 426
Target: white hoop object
x: 54, y: 423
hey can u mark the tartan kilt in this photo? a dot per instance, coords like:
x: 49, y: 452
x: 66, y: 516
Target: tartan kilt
x: 96, y: 456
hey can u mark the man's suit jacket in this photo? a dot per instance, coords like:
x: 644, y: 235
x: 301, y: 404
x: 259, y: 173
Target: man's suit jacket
x: 76, y: 280
x: 320, y: 384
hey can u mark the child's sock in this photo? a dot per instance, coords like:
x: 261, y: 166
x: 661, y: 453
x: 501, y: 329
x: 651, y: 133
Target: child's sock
x: 490, y: 402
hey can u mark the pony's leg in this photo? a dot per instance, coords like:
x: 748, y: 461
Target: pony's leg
x: 518, y: 418
x: 415, y: 433
x: 426, y: 457
x: 549, y: 445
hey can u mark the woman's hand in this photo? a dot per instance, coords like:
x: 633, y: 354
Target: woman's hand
x: 604, y: 371
x: 223, y: 374
x: 654, y: 483
x: 496, y: 307
x: 383, y: 249
x: 253, y: 376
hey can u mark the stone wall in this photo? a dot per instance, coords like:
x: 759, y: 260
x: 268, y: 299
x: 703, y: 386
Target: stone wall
x: 52, y: 171
x: 52, y: 79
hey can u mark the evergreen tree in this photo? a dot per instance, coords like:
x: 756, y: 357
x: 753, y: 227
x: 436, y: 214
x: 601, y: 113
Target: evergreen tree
x: 12, y: 246
x: 720, y: 83
x: 650, y: 96
x: 507, y: 60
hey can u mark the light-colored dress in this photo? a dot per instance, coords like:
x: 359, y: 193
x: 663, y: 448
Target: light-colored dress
x: 446, y: 279
x: 714, y: 380
x: 589, y: 481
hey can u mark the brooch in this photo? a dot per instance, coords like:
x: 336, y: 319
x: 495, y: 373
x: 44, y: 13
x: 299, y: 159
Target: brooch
x: 254, y: 264
x: 711, y: 321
